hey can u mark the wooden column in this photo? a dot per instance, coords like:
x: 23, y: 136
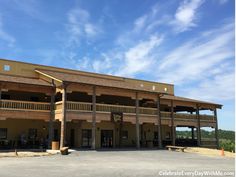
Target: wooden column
x: 192, y: 129
x: 159, y: 121
x: 198, y: 127
x: 94, y: 119
x: 63, y: 119
x: 216, y: 129
x: 172, y: 123
x: 0, y: 96
x: 137, y: 121
x: 52, y: 117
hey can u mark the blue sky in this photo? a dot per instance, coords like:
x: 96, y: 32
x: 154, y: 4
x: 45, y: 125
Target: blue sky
x: 188, y: 43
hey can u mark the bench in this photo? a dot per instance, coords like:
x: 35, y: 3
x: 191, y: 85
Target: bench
x: 64, y: 150
x: 170, y: 148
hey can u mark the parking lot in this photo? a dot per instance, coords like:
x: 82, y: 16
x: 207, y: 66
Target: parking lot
x: 116, y: 163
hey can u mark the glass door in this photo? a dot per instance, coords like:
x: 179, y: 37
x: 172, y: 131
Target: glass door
x: 106, y: 138
x: 86, y: 138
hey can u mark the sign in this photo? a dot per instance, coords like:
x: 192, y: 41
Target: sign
x: 116, y: 116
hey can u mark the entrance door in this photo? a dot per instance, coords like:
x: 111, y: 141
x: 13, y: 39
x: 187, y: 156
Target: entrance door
x: 72, y: 137
x: 106, y: 138
x: 86, y: 138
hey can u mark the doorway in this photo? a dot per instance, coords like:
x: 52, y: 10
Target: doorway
x: 86, y: 138
x: 106, y: 138
x: 72, y: 137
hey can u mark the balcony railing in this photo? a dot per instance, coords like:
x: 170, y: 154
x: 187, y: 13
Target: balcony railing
x: 82, y: 106
x: 87, y: 107
x: 24, y: 105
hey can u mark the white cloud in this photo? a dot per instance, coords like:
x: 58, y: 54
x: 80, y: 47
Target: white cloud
x: 219, y: 88
x: 203, y: 68
x: 195, y: 59
x: 80, y: 26
x: 138, y: 58
x: 5, y: 36
x: 185, y: 15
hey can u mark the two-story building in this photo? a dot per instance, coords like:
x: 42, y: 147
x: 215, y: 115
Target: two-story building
x: 40, y: 104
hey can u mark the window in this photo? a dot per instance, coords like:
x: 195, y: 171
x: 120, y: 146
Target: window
x: 124, y: 134
x: 32, y: 133
x: 3, y: 133
x: 6, y: 68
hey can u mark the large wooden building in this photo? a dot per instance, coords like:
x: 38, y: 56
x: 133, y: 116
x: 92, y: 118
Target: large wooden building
x: 40, y: 104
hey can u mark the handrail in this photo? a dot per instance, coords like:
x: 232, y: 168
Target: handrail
x: 24, y: 105
x: 84, y: 106
x: 18, y: 101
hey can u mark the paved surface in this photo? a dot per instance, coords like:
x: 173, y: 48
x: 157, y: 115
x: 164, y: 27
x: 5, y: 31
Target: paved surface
x: 115, y: 163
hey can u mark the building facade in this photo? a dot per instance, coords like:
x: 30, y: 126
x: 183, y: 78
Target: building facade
x: 40, y: 104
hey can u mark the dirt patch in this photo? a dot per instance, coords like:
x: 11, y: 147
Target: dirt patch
x: 25, y: 154
x: 209, y: 152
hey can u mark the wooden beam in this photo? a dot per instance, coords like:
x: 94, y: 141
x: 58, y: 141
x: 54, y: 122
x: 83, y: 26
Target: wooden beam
x: 159, y: 121
x: 63, y: 119
x: 198, y: 126
x: 52, y: 117
x: 216, y: 128
x: 94, y: 118
x: 137, y: 121
x: 172, y: 123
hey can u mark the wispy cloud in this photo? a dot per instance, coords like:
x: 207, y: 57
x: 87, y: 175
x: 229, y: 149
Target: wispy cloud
x: 203, y: 65
x: 5, y: 37
x: 80, y: 27
x: 139, y: 57
x: 185, y: 15
x: 194, y: 59
x: 219, y: 88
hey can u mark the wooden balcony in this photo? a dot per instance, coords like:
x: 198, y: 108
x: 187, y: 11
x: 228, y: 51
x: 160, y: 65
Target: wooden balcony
x: 40, y: 110
x: 24, y: 110
x: 129, y: 110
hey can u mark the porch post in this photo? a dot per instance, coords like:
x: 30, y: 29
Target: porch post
x: 63, y: 119
x: 172, y: 123
x: 159, y: 121
x: 137, y: 121
x: 94, y: 119
x: 192, y: 129
x: 52, y: 116
x: 0, y: 96
x: 216, y: 129
x: 198, y: 127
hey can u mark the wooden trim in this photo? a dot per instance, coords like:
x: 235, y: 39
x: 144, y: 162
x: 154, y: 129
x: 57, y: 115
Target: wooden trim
x: 48, y: 75
x: 94, y: 119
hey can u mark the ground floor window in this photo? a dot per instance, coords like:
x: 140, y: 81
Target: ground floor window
x: 124, y: 134
x: 3, y: 133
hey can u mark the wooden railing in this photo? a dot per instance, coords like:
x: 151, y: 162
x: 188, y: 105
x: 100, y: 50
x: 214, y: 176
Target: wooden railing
x: 184, y: 116
x: 114, y: 108
x: 208, y: 142
x: 207, y: 117
x: 74, y: 106
x: 24, y: 105
x: 83, y: 106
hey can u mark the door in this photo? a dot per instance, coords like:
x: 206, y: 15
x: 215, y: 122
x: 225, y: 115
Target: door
x: 106, y: 138
x: 72, y: 137
x: 86, y: 138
